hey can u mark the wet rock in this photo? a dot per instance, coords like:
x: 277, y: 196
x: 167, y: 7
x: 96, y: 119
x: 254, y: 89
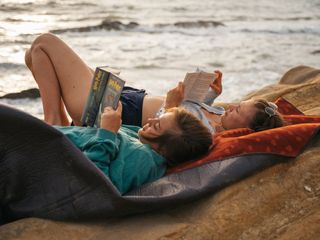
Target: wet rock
x: 29, y: 93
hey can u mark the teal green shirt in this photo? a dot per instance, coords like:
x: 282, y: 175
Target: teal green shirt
x: 122, y: 157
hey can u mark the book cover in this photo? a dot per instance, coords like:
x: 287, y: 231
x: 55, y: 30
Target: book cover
x: 105, y: 90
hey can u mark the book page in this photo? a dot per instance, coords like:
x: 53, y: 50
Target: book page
x: 197, y: 85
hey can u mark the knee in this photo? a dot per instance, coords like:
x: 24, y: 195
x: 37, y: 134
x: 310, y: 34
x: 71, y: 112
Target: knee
x: 45, y: 39
x: 40, y: 44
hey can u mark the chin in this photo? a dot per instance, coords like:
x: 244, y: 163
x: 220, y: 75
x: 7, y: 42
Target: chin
x: 140, y: 135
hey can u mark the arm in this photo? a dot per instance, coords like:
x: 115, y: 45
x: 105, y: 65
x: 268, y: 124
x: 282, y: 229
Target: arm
x: 215, y: 89
x: 103, y: 147
x: 174, y: 97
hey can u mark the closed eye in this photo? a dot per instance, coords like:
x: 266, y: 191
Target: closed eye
x: 157, y: 126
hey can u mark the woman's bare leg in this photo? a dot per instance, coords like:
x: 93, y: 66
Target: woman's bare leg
x: 59, y: 73
x: 53, y: 106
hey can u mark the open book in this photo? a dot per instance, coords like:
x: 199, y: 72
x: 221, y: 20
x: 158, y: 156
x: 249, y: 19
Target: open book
x: 197, y: 85
x: 105, y: 91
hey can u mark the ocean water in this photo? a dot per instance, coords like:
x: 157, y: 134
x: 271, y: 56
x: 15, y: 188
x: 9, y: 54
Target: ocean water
x: 156, y: 42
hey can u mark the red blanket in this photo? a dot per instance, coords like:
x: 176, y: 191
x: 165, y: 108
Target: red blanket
x: 287, y: 141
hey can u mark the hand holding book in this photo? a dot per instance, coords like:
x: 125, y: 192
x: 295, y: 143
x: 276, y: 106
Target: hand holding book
x: 174, y: 96
x: 111, y: 119
x: 216, y: 84
x: 198, y: 83
x: 194, y: 88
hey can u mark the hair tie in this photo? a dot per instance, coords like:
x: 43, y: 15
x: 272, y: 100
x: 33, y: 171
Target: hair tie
x: 271, y: 109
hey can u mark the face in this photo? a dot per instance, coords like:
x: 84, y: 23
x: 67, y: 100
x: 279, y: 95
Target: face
x: 238, y: 116
x: 155, y: 127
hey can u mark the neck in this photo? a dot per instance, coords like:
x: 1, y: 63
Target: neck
x: 216, y: 122
x: 153, y: 145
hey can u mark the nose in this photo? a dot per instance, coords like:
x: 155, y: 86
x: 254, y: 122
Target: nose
x: 152, y: 121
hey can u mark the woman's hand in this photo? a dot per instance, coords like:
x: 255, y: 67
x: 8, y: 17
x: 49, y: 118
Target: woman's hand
x: 216, y: 85
x: 174, y: 96
x: 111, y: 119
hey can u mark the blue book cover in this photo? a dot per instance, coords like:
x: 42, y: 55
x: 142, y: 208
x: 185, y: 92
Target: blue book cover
x: 105, y: 90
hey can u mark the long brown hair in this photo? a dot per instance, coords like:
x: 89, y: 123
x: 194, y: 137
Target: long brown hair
x: 264, y: 119
x: 187, y: 140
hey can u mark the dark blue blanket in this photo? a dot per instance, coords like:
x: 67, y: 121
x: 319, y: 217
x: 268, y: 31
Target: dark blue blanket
x: 43, y: 175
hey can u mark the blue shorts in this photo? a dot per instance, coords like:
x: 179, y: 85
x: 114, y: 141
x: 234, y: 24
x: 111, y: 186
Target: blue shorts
x: 132, y: 103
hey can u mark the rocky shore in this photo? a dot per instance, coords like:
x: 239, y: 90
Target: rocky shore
x: 281, y: 202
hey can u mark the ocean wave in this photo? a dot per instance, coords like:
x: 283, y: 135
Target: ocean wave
x: 283, y: 31
x: 81, y: 4
x: 14, y: 20
x: 32, y: 6
x: 108, y: 24
x: 105, y: 25
x: 179, y: 9
x: 16, y: 7
x: 289, y: 19
x: 9, y: 66
x: 270, y: 19
x: 147, y: 66
x: 194, y: 24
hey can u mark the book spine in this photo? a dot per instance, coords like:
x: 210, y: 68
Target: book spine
x: 92, y: 107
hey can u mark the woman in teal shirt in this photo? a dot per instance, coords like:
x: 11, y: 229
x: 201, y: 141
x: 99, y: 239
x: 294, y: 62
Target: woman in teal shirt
x: 131, y: 156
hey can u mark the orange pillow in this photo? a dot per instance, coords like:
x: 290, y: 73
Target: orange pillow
x: 287, y: 141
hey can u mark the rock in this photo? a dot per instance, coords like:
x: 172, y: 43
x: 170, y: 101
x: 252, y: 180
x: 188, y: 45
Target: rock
x: 29, y: 93
x: 281, y: 202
